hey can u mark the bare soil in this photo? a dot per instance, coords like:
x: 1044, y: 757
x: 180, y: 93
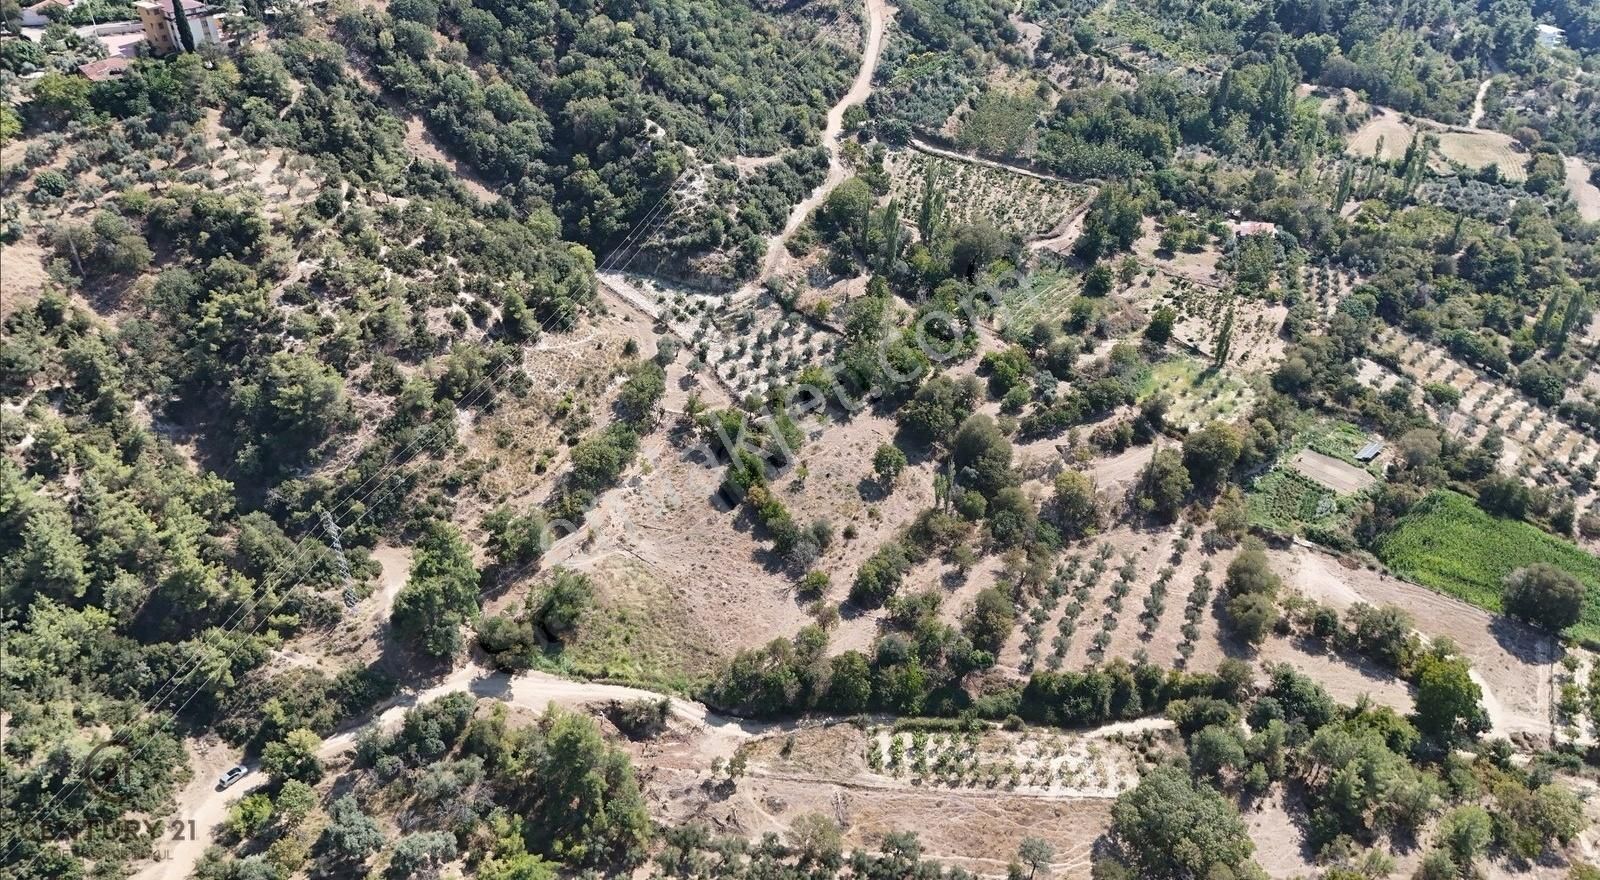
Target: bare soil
x: 1514, y: 663
x: 1585, y: 193
x: 1340, y: 476
x: 823, y: 770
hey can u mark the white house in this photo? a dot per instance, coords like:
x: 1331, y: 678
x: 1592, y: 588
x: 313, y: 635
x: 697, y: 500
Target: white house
x: 44, y: 12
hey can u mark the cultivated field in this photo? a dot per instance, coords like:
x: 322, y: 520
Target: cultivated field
x: 1028, y: 205
x: 1513, y: 664
x: 1449, y: 543
x: 971, y: 796
x: 1478, y: 149
x: 746, y: 343
x: 1387, y: 135
x: 1155, y: 595
x: 1337, y: 475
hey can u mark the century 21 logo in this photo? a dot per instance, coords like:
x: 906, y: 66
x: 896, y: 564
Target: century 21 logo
x: 102, y: 773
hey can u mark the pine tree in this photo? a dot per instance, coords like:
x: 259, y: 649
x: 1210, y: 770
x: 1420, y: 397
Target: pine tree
x: 1577, y: 308
x: 1542, y: 331
x: 891, y: 232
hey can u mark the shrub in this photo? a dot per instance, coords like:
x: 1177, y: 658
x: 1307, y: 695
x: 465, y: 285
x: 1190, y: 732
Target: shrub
x: 562, y: 602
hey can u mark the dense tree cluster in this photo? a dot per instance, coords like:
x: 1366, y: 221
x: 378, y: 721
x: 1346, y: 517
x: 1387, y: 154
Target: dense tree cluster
x: 580, y: 140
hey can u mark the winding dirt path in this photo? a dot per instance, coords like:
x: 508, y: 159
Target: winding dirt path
x: 878, y: 14
x: 715, y: 735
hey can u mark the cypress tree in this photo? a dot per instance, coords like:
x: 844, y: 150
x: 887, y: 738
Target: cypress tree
x: 181, y: 21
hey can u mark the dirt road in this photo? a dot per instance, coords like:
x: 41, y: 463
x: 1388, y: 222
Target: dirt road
x: 925, y: 147
x: 1477, y: 103
x: 200, y: 802
x: 878, y: 13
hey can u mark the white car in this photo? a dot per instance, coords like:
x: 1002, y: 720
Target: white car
x: 234, y: 774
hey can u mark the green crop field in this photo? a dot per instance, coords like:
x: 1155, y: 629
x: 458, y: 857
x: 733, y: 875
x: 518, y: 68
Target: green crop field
x: 1282, y: 499
x: 1449, y: 544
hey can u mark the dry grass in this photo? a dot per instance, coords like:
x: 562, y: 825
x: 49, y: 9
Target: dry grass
x: 638, y: 630
x: 1479, y: 149
x: 22, y: 275
x: 1473, y: 149
x: 1385, y: 135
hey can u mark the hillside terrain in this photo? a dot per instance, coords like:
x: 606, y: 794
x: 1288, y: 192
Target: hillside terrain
x: 827, y: 439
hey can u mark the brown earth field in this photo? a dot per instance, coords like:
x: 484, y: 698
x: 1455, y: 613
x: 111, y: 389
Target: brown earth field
x: 1337, y: 475
x: 823, y: 770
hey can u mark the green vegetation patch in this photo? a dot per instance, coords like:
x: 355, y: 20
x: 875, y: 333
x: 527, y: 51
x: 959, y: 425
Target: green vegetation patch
x: 1450, y: 544
x: 999, y: 124
x: 1192, y: 41
x: 1286, y: 500
x: 1198, y: 394
x: 636, y: 632
x: 1283, y: 499
x: 1336, y: 439
x: 1047, y: 296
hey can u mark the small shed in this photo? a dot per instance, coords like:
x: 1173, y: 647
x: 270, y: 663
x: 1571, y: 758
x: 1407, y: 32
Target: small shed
x: 1369, y: 451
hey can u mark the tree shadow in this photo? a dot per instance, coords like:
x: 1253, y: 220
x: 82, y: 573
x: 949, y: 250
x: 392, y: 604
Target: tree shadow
x: 769, y: 559
x: 1232, y: 646
x: 1296, y: 807
x: 1523, y: 642
x: 851, y: 611
x: 953, y: 578
x: 494, y: 686
x: 871, y: 489
x: 1367, y: 667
